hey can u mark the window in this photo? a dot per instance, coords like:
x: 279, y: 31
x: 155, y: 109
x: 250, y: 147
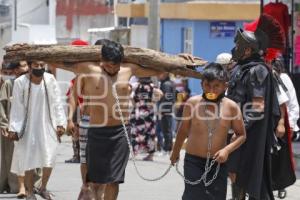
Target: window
x: 188, y: 40
x: 4, y: 10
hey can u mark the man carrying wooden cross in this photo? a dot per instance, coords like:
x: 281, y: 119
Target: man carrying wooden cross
x: 107, y: 148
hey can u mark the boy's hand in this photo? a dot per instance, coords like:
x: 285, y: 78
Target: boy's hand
x: 174, y: 158
x: 221, y: 156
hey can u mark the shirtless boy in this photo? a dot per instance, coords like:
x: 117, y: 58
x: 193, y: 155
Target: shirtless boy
x: 209, y: 114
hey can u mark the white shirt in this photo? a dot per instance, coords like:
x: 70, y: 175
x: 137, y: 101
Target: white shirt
x: 282, y: 96
x: 292, y: 104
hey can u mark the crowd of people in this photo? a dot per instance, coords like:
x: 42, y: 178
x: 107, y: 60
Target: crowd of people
x: 240, y: 127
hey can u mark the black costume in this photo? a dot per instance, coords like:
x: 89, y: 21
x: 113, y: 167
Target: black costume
x: 251, y: 162
x: 251, y: 79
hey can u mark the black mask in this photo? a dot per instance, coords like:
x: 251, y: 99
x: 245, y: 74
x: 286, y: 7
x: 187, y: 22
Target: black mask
x: 218, y: 99
x: 38, y: 72
x: 233, y: 50
x: 237, y: 54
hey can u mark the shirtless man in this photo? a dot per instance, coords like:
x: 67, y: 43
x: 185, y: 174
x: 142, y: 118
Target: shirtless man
x: 210, y: 113
x: 107, y: 148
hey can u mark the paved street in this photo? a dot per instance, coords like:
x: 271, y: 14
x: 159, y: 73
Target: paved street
x: 65, y: 182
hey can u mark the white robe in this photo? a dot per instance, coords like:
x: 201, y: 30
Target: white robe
x: 37, y: 148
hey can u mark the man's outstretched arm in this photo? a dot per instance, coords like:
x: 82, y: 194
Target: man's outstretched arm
x: 141, y: 71
x: 77, y: 68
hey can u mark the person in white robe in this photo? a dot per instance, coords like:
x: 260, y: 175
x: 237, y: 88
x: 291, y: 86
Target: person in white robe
x: 292, y: 104
x: 37, y: 120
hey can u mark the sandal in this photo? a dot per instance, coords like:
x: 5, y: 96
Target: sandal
x: 31, y: 197
x: 45, y: 194
x: 73, y: 160
x: 282, y: 194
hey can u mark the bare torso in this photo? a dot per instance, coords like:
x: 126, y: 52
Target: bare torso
x: 97, y: 91
x: 197, y: 143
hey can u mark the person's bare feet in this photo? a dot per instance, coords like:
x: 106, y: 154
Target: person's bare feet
x: 21, y: 194
x: 86, y: 193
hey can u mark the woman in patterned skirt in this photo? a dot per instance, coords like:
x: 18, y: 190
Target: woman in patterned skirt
x: 143, y: 117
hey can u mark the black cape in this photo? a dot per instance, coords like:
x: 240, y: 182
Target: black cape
x: 283, y: 169
x: 252, y: 161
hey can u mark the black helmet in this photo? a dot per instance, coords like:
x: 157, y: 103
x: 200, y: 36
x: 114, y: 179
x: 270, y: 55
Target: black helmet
x: 268, y: 33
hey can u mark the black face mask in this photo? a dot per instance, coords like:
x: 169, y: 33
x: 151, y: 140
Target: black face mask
x: 233, y: 51
x: 237, y: 54
x: 38, y: 72
x: 218, y: 99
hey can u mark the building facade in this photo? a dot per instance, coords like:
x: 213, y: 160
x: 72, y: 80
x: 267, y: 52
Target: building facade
x: 201, y: 28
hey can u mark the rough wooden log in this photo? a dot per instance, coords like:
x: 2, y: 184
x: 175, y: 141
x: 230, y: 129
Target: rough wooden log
x: 144, y: 57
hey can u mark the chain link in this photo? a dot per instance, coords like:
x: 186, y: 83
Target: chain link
x: 208, y: 164
x: 129, y: 142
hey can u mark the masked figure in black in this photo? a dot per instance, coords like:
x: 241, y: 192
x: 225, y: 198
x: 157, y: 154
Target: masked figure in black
x: 251, y: 85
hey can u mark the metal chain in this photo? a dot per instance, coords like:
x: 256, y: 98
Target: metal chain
x: 27, y: 107
x: 208, y: 164
x: 129, y: 143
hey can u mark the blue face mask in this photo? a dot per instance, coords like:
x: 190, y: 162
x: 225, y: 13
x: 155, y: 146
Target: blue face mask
x: 8, y: 77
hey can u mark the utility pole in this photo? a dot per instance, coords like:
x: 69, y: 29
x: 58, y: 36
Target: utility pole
x: 154, y: 28
x: 154, y: 25
x: 116, y: 21
x: 15, y: 16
